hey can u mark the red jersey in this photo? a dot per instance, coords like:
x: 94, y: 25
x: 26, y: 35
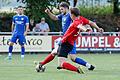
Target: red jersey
x: 72, y: 32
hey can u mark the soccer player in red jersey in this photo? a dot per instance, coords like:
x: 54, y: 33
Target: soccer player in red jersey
x: 69, y: 38
x: 66, y: 20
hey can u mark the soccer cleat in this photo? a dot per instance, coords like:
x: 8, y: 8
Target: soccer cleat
x: 91, y: 68
x: 80, y: 70
x: 59, y: 68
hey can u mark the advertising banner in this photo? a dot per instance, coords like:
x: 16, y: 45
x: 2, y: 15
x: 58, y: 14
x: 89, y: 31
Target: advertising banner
x: 96, y: 43
x: 33, y: 44
x: 37, y: 43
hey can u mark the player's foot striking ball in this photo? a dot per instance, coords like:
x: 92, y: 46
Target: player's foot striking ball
x: 39, y: 67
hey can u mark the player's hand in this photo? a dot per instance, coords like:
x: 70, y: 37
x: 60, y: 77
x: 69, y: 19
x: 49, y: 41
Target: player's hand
x: 47, y: 11
x: 89, y: 31
x: 100, y: 30
x: 25, y: 33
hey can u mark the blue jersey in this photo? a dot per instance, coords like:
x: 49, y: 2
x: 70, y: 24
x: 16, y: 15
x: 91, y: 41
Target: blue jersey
x: 66, y: 21
x: 20, y: 22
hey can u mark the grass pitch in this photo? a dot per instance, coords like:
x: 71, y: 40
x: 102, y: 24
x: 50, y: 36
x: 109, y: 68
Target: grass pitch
x: 107, y: 68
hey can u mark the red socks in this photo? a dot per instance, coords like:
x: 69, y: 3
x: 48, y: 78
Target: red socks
x: 65, y: 65
x: 69, y: 66
x: 49, y: 58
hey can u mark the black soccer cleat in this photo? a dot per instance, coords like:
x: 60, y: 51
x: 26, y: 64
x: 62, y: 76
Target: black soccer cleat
x: 59, y: 68
x: 91, y: 68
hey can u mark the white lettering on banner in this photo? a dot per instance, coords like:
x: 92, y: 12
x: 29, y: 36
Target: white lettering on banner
x: 101, y: 42
x: 94, y: 41
x: 79, y: 42
x: 33, y: 43
x: 85, y: 42
x: 106, y: 42
x: 116, y: 42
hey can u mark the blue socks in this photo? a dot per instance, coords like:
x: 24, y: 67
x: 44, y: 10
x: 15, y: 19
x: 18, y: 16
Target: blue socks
x: 22, y: 50
x: 10, y: 49
x: 80, y: 61
x: 10, y: 52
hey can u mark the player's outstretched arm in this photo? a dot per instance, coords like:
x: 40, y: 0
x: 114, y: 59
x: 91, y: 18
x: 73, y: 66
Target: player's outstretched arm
x: 93, y: 24
x: 52, y: 16
x: 82, y: 28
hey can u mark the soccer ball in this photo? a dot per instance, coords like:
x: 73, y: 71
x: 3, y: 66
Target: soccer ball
x: 40, y: 68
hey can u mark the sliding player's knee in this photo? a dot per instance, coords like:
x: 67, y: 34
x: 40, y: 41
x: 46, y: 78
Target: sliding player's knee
x: 54, y: 51
x: 60, y: 64
x: 61, y: 61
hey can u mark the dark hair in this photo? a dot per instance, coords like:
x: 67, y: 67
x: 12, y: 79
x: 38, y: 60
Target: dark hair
x: 64, y: 4
x: 75, y: 11
x: 19, y: 7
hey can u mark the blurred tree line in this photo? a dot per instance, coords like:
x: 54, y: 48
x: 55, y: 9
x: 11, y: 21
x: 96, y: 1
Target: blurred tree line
x: 35, y: 10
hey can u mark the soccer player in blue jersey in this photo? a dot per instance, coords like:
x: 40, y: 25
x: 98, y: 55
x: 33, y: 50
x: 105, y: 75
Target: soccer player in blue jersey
x: 20, y: 26
x: 66, y: 21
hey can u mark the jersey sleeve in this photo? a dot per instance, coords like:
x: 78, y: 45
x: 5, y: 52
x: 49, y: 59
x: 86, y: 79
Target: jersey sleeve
x: 59, y: 17
x: 85, y: 21
x: 66, y: 35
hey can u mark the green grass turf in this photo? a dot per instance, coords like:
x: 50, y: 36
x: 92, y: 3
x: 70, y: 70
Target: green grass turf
x: 107, y: 68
